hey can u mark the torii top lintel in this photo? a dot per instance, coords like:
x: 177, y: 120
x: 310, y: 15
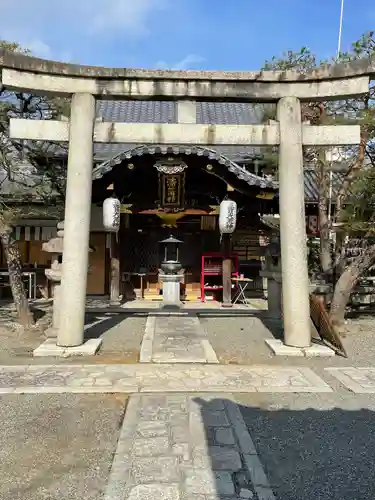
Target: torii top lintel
x: 21, y: 72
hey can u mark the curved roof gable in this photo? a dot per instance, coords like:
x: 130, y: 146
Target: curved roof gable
x: 240, y: 172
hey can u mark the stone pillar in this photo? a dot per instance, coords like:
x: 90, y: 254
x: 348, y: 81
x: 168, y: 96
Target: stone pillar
x: 274, y: 298
x: 295, y: 282
x: 77, y: 222
x: 56, y: 307
x: 171, y: 289
x: 272, y: 273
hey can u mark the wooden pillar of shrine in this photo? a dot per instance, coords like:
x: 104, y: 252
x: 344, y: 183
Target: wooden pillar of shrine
x: 227, y: 270
x: 114, y: 269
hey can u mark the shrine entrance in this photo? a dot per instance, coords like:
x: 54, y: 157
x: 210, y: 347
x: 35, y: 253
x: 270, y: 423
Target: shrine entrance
x: 177, y: 191
x: 140, y: 262
x: 84, y: 85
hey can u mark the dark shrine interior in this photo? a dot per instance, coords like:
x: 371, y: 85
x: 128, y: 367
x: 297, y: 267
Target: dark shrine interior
x: 136, y: 182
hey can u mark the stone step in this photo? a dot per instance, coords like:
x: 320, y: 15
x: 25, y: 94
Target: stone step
x: 176, y: 339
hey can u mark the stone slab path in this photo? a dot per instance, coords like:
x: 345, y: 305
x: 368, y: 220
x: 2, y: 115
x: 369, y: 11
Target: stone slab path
x: 179, y: 447
x: 147, y: 378
x: 176, y: 338
x: 358, y: 380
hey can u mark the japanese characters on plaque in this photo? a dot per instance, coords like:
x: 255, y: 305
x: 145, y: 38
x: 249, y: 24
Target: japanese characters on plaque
x: 172, y: 190
x: 171, y: 182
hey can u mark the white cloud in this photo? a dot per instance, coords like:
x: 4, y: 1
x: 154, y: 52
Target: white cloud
x: 187, y: 62
x: 129, y: 16
x: 31, y: 22
x: 38, y: 48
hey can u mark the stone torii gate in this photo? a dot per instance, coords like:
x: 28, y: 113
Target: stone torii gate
x: 84, y: 84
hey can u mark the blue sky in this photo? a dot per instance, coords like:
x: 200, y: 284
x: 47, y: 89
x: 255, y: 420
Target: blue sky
x: 185, y: 34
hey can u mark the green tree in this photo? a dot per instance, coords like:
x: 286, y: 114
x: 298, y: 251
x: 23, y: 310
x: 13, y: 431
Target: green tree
x: 26, y: 169
x: 351, y: 214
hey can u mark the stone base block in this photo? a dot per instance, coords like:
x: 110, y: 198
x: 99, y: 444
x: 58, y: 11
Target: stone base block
x: 171, y: 306
x: 50, y: 348
x: 319, y: 350
x: 50, y: 333
x: 280, y: 349
x: 315, y: 350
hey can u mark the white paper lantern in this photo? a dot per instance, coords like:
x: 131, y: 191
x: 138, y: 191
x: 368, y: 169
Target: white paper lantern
x: 111, y: 214
x: 228, y: 216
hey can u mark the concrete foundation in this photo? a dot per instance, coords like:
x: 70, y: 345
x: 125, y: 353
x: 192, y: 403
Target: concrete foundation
x: 50, y: 348
x: 315, y: 350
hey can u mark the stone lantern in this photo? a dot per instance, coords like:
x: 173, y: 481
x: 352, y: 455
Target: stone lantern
x: 171, y: 263
x: 170, y: 273
x: 272, y: 268
x: 55, y: 248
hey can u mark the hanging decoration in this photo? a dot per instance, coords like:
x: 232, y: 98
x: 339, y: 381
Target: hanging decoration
x: 111, y: 214
x: 170, y: 218
x: 227, y: 216
x: 170, y: 166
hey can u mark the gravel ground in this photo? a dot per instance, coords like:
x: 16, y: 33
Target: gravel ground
x: 237, y: 339
x: 121, y: 334
x: 57, y: 446
x: 314, y: 446
x: 240, y: 340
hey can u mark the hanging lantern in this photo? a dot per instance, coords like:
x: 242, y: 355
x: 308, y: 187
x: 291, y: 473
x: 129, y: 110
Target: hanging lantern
x: 227, y: 216
x: 111, y: 214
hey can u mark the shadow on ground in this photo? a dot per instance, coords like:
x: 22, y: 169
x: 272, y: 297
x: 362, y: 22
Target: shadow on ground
x: 96, y: 325
x: 121, y: 335
x: 309, y: 454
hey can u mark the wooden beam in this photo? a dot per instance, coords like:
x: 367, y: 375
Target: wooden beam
x: 189, y: 134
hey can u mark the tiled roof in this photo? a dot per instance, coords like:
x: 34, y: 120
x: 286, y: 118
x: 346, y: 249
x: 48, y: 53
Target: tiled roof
x: 311, y: 180
x: 207, y: 112
x: 166, y: 112
x: 239, y: 171
x: 221, y: 113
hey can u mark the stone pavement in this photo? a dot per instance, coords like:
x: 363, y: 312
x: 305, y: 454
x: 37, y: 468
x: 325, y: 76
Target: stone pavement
x: 147, y: 378
x: 202, y: 432
x: 187, y: 378
x: 150, y: 305
x: 174, y: 447
x: 176, y: 338
x: 358, y: 380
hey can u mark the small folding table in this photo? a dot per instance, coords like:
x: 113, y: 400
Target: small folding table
x: 242, y: 284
